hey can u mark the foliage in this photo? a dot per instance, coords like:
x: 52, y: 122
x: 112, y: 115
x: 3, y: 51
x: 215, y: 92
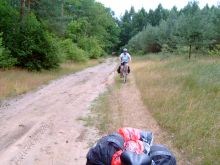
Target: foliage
x: 8, y: 21
x: 215, y: 51
x: 72, y: 52
x: 6, y: 60
x: 147, y: 40
x: 77, y: 29
x: 187, y: 27
x: 92, y: 46
x: 33, y: 30
x: 133, y: 22
x: 28, y: 41
x: 51, y: 14
x: 91, y: 19
x: 34, y: 49
x: 193, y: 27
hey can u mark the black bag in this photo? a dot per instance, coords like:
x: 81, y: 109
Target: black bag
x: 129, y: 70
x: 101, y: 153
x: 119, y: 69
x: 161, y: 155
x: 131, y: 158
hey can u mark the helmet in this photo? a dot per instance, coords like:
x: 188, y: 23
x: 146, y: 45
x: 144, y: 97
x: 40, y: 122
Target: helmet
x: 125, y: 50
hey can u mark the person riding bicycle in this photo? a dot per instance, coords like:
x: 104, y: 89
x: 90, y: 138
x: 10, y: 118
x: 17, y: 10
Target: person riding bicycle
x: 124, y: 58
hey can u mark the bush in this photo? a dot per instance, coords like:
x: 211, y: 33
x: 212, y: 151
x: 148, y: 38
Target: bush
x: 8, y: 21
x: 92, y: 46
x: 28, y: 41
x: 147, y: 40
x: 72, y: 52
x: 6, y: 60
x: 77, y: 29
x: 33, y: 48
x: 215, y: 51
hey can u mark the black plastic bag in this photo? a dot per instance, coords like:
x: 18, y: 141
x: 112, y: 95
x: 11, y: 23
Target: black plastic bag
x: 101, y: 153
x: 162, y: 155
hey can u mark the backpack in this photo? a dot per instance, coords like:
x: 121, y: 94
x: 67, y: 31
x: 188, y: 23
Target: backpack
x: 161, y: 155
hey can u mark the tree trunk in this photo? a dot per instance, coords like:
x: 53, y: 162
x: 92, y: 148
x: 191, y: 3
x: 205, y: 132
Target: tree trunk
x: 190, y: 49
x: 62, y: 10
x: 29, y: 6
x: 22, y: 11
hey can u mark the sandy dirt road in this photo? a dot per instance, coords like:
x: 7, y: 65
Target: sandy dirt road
x: 43, y: 127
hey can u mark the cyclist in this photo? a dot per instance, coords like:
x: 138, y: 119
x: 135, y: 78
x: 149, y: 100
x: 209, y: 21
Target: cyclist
x: 124, y: 58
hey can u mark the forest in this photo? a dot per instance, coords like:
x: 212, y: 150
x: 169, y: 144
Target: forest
x: 41, y: 34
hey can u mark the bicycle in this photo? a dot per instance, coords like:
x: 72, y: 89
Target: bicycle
x: 125, y: 73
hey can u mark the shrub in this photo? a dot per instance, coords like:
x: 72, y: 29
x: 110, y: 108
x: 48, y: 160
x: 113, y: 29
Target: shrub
x: 6, y: 60
x: 147, y: 40
x: 33, y: 48
x: 92, y: 46
x: 215, y: 51
x: 72, y: 52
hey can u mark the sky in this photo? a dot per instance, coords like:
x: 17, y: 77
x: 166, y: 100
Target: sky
x: 119, y: 6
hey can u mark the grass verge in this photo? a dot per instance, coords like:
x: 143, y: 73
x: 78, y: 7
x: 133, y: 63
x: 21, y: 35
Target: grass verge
x: 17, y: 81
x: 106, y: 109
x: 184, y: 97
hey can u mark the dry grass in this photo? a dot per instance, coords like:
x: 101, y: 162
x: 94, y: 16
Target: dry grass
x: 17, y: 81
x: 107, y: 110
x: 184, y: 98
x: 102, y: 113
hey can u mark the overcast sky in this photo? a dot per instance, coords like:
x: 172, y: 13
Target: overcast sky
x: 119, y: 6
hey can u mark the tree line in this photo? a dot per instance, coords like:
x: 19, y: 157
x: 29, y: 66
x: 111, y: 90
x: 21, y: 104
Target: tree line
x: 41, y: 34
x: 190, y: 28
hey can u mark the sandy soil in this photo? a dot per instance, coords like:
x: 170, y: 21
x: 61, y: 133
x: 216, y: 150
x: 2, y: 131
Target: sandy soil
x: 43, y: 127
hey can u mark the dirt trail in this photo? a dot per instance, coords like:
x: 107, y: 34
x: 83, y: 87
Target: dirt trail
x: 43, y: 127
x: 128, y: 110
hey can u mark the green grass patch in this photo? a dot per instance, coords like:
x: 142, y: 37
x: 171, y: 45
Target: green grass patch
x: 105, y: 110
x: 18, y: 81
x: 184, y: 97
x: 100, y: 116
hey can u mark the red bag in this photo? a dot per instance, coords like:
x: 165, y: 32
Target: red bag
x: 130, y: 133
x: 116, y: 160
x: 134, y: 146
x: 132, y: 143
